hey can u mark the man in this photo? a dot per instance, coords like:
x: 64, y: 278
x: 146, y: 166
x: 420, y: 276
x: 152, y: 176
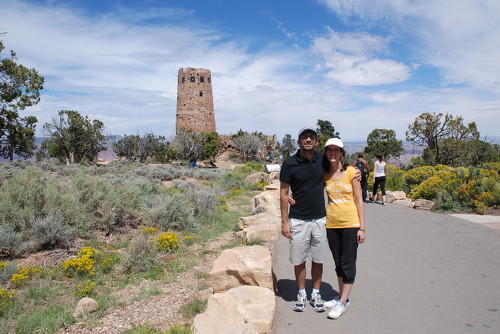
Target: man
x: 362, y: 165
x: 305, y: 224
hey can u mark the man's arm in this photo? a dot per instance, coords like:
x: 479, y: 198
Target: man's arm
x: 284, y: 197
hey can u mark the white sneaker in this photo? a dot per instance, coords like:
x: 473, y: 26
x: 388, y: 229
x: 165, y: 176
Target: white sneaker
x: 338, y: 310
x: 317, y: 303
x: 301, y: 302
x: 334, y: 301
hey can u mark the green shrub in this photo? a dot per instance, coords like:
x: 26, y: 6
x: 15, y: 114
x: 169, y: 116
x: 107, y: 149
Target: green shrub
x: 194, y: 307
x: 9, y: 240
x: 50, y: 232
x: 394, y: 180
x: 171, y: 211
x: 7, y: 269
x: 142, y: 257
x: 204, y: 200
x: 415, y: 176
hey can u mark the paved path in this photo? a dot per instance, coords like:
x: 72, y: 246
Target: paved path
x: 418, y: 272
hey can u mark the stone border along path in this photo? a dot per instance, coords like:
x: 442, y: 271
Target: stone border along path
x: 242, y: 279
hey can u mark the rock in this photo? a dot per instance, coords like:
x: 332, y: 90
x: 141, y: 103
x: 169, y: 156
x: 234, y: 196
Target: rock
x: 245, y: 265
x: 85, y: 305
x: 266, y: 232
x: 260, y: 218
x: 392, y: 196
x: 424, y: 204
x: 235, y: 307
x: 256, y: 177
x: 266, y: 201
x: 274, y: 176
x: 241, y: 329
x: 404, y: 202
x: 272, y: 186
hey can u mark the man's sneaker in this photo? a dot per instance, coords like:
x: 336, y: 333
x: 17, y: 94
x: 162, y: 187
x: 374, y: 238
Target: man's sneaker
x: 317, y: 303
x: 301, y: 302
x: 338, y: 310
x: 384, y: 203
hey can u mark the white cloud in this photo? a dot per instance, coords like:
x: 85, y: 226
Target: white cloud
x: 350, y: 59
x: 460, y: 38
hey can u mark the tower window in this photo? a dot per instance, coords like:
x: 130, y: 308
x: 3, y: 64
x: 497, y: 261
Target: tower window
x: 208, y: 79
x: 202, y: 79
x: 201, y: 93
x: 183, y: 79
x: 193, y: 79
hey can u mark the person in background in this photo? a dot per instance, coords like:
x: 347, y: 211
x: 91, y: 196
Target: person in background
x: 363, y: 166
x: 304, y: 222
x: 379, y: 179
x: 345, y: 221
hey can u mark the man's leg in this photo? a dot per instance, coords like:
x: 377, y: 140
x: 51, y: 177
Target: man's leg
x: 316, y: 274
x: 300, y: 276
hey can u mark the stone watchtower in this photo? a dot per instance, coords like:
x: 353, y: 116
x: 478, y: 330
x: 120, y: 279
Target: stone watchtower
x: 195, y: 103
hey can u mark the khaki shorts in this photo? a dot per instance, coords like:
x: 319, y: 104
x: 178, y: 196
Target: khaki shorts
x: 308, y: 240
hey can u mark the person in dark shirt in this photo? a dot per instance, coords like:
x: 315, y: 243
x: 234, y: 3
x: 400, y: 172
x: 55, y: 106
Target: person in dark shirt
x: 363, y: 166
x: 304, y: 224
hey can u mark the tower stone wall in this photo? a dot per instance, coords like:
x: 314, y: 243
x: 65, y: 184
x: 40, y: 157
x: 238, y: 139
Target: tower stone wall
x: 195, y: 103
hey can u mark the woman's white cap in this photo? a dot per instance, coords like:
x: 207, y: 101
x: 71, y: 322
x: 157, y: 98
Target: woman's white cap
x: 334, y: 141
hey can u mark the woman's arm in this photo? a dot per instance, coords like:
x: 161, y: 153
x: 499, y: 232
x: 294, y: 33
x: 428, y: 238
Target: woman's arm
x: 358, y: 200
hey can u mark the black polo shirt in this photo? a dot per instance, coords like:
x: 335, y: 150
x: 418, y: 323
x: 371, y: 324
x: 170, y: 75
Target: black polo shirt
x: 305, y: 178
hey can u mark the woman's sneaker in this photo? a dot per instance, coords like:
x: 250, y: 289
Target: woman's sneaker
x: 301, y: 302
x: 338, y: 310
x: 317, y: 303
x: 333, y: 302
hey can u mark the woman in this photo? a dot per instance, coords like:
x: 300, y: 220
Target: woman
x: 379, y: 179
x: 345, y: 221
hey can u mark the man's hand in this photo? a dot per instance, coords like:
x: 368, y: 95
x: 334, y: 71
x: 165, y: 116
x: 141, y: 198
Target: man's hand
x: 358, y: 174
x: 285, y: 229
x: 291, y: 201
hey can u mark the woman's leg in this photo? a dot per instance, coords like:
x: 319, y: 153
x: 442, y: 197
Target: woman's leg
x: 375, y: 188
x: 348, y: 257
x: 382, y: 188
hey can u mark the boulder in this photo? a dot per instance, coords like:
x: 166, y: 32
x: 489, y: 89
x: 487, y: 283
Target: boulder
x: 236, y: 307
x: 424, y: 204
x: 266, y: 201
x: 392, y: 196
x: 404, y: 202
x: 272, y: 186
x: 266, y: 232
x: 256, y: 177
x: 85, y: 305
x: 274, y: 176
x: 260, y: 218
x: 241, y: 329
x: 245, y: 265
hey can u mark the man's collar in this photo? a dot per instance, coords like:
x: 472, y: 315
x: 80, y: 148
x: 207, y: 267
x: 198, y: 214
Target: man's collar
x: 300, y: 157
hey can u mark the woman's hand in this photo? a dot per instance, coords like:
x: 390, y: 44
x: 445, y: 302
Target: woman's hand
x: 361, y: 236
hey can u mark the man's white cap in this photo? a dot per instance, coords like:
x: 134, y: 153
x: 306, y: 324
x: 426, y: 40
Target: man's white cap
x: 307, y: 128
x: 334, y: 141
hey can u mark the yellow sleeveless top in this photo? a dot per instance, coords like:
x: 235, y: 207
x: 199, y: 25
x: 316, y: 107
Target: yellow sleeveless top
x: 341, y: 210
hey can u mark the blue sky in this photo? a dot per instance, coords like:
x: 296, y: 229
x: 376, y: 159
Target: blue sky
x: 276, y: 65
